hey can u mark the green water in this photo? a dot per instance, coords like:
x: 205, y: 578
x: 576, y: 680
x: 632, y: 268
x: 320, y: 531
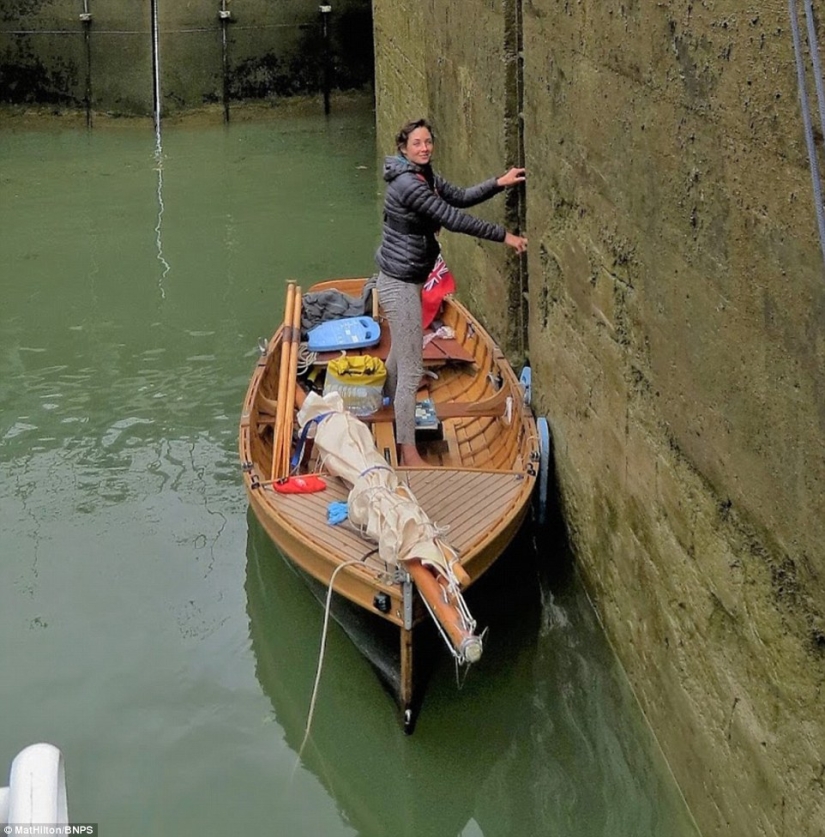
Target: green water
x: 151, y: 631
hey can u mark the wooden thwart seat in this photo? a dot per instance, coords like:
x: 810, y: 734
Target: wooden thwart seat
x: 495, y: 405
x: 438, y: 351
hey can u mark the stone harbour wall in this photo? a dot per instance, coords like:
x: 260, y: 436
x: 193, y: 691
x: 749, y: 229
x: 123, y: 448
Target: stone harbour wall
x: 673, y: 310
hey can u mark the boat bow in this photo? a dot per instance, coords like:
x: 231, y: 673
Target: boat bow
x: 386, y: 511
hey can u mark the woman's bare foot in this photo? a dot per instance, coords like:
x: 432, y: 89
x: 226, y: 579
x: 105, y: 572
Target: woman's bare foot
x: 410, y: 457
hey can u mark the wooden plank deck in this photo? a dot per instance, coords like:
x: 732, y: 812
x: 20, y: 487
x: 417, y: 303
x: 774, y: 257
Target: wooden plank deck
x: 442, y: 492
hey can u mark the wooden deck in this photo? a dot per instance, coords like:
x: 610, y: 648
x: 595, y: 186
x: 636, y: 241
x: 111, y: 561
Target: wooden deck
x: 442, y: 493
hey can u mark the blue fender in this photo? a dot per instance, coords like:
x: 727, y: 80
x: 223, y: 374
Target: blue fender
x: 526, y: 380
x: 544, y: 467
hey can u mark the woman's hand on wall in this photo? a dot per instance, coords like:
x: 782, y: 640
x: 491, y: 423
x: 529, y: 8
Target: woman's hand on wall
x: 511, y: 178
x: 517, y: 242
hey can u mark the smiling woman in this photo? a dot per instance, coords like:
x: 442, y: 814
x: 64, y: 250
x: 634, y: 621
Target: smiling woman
x: 418, y: 203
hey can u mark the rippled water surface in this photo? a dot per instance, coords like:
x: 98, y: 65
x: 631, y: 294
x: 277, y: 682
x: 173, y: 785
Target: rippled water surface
x: 151, y: 631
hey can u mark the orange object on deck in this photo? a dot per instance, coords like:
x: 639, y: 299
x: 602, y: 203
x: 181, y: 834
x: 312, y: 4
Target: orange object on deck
x: 308, y: 484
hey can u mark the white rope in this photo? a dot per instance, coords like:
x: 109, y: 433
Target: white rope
x: 469, y: 624
x: 460, y: 664
x: 327, y: 608
x: 158, y: 148
x: 306, y: 358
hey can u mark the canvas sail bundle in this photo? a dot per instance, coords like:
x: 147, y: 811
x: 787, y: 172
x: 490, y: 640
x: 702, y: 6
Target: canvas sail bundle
x: 384, y: 509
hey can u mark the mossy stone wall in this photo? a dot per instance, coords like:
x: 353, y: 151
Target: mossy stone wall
x: 675, y: 294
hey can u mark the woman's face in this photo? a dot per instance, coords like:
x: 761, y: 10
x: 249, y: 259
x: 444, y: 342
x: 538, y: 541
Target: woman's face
x: 419, y: 147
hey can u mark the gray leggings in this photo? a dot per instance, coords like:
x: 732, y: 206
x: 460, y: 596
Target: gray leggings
x: 401, y: 302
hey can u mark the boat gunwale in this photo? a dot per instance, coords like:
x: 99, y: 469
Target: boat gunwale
x: 509, y: 517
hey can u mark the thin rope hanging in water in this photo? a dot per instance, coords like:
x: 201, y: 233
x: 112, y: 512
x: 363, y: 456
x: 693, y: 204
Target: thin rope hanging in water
x: 159, y: 225
x: 327, y: 608
x: 806, y: 115
x: 158, y: 147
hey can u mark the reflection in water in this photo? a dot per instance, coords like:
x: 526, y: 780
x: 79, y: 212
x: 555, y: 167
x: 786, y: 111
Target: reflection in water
x: 158, y: 143
x: 158, y: 236
x: 383, y: 781
x: 536, y: 742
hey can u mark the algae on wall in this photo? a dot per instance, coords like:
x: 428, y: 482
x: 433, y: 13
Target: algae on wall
x: 677, y: 336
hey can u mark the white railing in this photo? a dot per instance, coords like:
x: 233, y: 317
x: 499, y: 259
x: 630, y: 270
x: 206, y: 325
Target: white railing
x: 37, y: 788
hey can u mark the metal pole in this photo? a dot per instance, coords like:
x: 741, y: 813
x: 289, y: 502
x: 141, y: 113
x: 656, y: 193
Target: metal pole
x: 156, y: 67
x: 225, y: 15
x: 521, y: 206
x: 86, y: 20
x: 325, y: 13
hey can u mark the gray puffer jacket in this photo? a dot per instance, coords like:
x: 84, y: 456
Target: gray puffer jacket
x: 417, y: 204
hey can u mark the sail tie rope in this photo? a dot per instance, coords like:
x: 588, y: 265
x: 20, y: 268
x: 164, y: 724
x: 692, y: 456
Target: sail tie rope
x: 468, y: 623
x: 299, y: 447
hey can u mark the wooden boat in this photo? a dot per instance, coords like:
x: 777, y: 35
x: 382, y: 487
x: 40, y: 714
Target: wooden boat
x: 482, y: 466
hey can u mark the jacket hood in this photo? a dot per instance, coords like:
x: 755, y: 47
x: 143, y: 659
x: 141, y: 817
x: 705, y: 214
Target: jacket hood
x: 393, y: 166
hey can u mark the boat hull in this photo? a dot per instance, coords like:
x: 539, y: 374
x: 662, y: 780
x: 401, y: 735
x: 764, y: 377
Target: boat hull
x: 482, y: 468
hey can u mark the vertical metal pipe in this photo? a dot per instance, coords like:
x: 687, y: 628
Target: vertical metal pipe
x: 325, y: 13
x: 514, y: 146
x: 86, y: 20
x: 225, y: 15
x: 813, y: 47
x: 813, y: 161
x: 156, y: 68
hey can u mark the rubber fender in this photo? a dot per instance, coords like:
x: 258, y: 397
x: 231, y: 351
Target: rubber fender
x: 526, y: 380
x: 544, y: 467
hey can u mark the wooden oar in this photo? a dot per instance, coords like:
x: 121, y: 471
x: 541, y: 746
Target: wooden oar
x: 277, y: 441
x: 292, y: 373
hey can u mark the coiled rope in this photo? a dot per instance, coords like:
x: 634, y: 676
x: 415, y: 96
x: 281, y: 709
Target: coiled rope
x: 306, y: 358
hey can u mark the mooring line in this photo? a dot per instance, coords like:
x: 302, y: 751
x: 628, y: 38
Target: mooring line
x: 327, y: 608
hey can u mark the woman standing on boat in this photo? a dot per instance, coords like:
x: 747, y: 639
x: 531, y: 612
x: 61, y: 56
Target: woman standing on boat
x: 417, y: 204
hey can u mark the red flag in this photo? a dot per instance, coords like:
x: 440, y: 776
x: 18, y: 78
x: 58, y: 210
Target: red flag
x: 439, y: 283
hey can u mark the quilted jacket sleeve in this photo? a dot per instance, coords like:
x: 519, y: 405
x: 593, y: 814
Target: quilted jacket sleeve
x: 464, y: 198
x: 417, y: 196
